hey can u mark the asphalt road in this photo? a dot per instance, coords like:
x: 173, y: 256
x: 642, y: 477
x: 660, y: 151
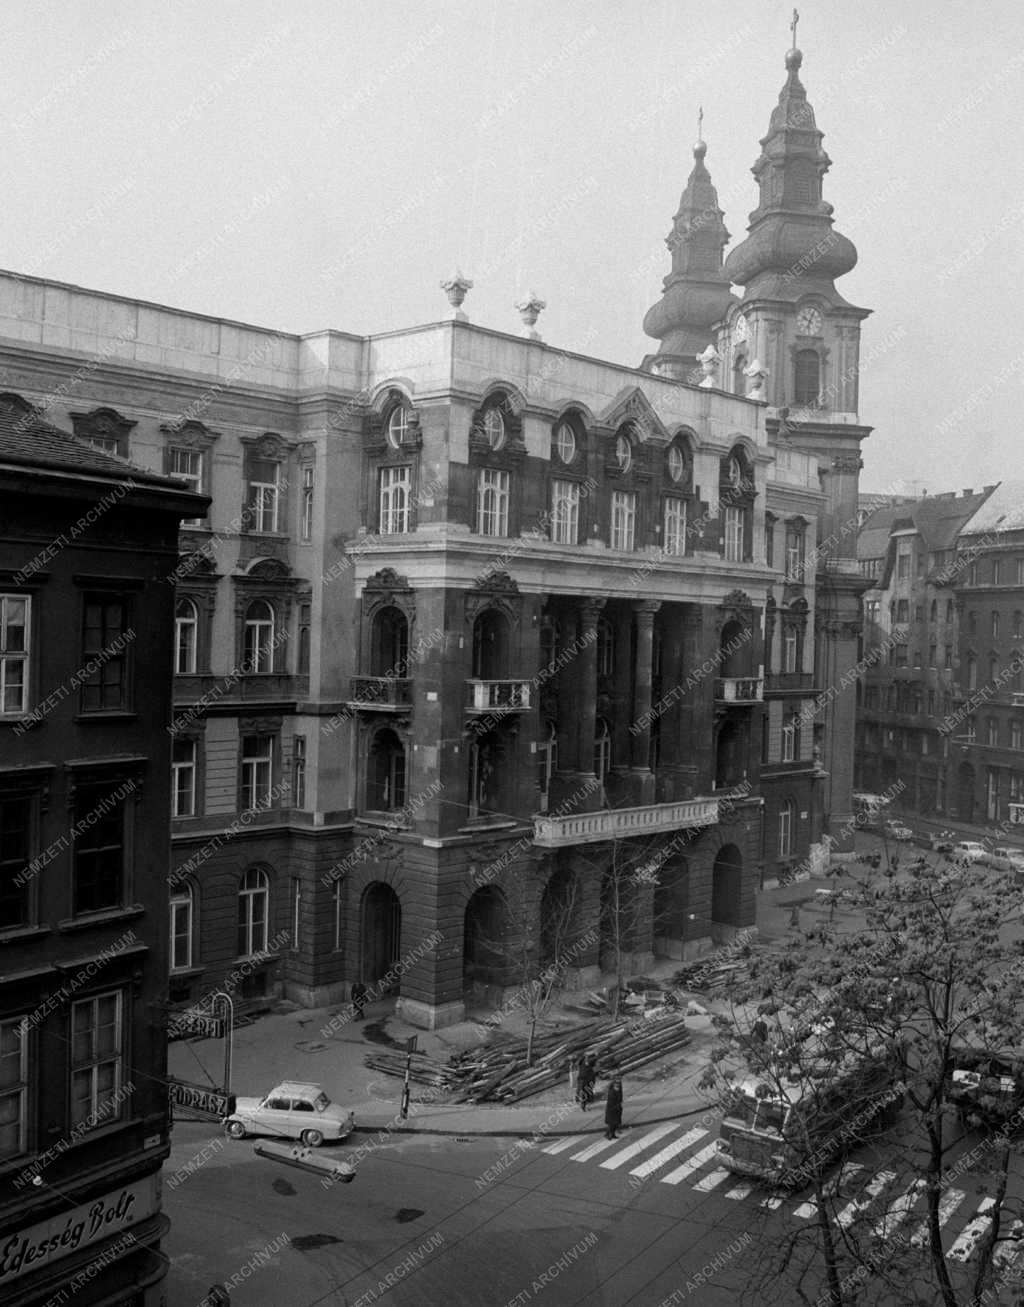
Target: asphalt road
x: 645, y: 1221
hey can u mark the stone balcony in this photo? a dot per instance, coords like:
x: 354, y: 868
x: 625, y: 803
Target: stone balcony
x: 497, y: 696
x: 623, y: 823
x: 739, y: 689
x: 381, y: 693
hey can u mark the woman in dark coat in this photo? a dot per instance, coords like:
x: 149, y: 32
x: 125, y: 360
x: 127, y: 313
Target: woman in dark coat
x: 613, y: 1109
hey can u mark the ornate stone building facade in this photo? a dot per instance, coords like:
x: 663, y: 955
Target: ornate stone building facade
x: 473, y: 623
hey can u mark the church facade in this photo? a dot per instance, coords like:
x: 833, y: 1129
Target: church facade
x: 488, y: 655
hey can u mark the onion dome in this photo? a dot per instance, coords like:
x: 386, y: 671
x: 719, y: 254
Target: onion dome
x: 790, y: 233
x: 696, y: 293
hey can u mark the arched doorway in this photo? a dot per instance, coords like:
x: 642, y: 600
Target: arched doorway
x: 559, y: 918
x: 671, y: 898
x: 380, y: 934
x: 726, y: 883
x: 965, y: 792
x: 486, y: 939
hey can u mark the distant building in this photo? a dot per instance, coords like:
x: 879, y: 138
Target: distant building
x: 912, y: 664
x: 88, y: 545
x: 987, y: 723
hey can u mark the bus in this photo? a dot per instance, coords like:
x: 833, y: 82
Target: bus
x: 870, y: 810
x: 781, y: 1129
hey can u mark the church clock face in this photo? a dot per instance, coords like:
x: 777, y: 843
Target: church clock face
x: 808, y: 322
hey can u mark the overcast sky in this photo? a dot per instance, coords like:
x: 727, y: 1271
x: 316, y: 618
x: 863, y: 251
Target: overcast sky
x: 305, y: 164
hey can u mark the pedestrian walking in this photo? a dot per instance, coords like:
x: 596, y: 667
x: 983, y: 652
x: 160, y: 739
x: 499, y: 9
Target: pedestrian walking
x: 613, y: 1109
x: 574, y: 1078
x: 587, y: 1079
x: 794, y: 916
x: 358, y: 1000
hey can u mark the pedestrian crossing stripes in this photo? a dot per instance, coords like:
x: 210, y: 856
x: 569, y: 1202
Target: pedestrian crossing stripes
x: 671, y: 1153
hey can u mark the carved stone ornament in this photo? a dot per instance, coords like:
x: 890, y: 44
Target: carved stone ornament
x: 756, y: 374
x: 269, y: 569
x: 634, y: 407
x: 529, y: 309
x: 737, y: 599
x: 847, y: 463
x: 270, y: 445
x: 709, y: 362
x: 455, y: 288
x: 387, y: 579
x: 101, y: 422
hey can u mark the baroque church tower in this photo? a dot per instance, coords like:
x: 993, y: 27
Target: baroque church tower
x: 795, y: 331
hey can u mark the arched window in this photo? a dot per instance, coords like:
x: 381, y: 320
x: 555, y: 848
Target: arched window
x: 949, y: 610
x: 972, y: 623
x: 399, y: 425
x: 389, y: 654
x: 736, y: 498
x: 1018, y: 625
x: 186, y: 631
x: 807, y: 378
x: 181, y: 928
x: 993, y: 667
x: 253, y: 912
x: 787, y: 827
x: 602, y: 750
x: 995, y: 626
x: 258, y: 654
x: 385, y: 782
x: 972, y: 672
x: 934, y: 613
x: 739, y: 364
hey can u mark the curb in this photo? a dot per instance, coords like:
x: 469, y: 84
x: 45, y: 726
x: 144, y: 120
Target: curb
x: 525, y: 1134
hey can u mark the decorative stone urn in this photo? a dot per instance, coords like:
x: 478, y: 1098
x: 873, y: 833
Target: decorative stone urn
x: 709, y: 362
x: 756, y: 374
x: 455, y: 288
x: 529, y: 311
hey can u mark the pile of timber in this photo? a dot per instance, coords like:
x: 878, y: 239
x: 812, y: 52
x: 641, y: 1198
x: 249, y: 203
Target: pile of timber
x: 498, y: 1072
x: 715, y: 972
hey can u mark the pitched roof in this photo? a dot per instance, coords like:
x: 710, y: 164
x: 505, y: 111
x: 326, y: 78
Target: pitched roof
x: 939, y: 520
x: 1003, y: 510
x: 28, y: 439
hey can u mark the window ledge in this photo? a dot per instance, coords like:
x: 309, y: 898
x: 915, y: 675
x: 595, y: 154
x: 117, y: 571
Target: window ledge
x: 381, y: 819
x: 186, y: 973
x: 485, y: 823
x: 22, y: 721
x: 12, y: 934
x: 86, y: 920
x: 254, y: 960
x: 107, y: 715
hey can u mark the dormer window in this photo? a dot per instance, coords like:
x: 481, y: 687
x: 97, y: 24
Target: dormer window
x: 494, y: 428
x: 623, y: 453
x: 399, y: 424
x: 565, y: 442
x: 676, y: 464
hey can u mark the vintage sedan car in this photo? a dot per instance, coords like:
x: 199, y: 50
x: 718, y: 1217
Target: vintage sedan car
x: 967, y: 852
x: 294, y: 1110
x: 987, y: 1087
x: 1005, y: 858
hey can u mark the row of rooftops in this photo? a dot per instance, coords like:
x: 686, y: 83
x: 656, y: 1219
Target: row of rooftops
x: 943, y: 520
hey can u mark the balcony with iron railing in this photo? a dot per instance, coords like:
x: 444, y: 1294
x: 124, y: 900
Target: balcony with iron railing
x: 381, y: 693
x: 623, y: 823
x: 497, y: 696
x: 739, y: 689
x: 780, y: 682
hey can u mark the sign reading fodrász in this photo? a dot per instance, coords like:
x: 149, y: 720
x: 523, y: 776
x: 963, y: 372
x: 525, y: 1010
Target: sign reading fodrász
x: 69, y: 1232
x: 200, y: 1098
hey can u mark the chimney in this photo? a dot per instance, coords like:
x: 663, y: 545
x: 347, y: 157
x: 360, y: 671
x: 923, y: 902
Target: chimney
x: 967, y: 493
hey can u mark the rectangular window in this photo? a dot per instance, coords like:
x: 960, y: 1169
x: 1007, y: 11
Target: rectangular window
x: 492, y: 503
x: 902, y: 566
x: 105, y: 650
x: 299, y: 771
x: 1020, y: 571
x: 306, y: 525
x: 339, y: 915
x: 900, y: 655
x: 14, y: 1070
x: 395, y: 496
x: 932, y: 654
x: 97, y: 1038
x: 15, y: 857
x: 264, y: 496
x: 903, y: 610
x: 734, y: 534
x: 302, y: 657
x: 992, y: 795
x: 993, y: 731
x: 183, y: 778
x: 794, y: 555
x: 623, y: 519
x: 789, y: 741
x: 14, y: 651
x: 565, y: 512
x: 674, y: 527
x: 790, y: 650
x: 1015, y: 734
x: 785, y: 831
x: 997, y: 571
x: 187, y: 465
x: 99, y: 845
x: 181, y: 932
x: 257, y: 767
x: 769, y: 541
x: 296, y: 910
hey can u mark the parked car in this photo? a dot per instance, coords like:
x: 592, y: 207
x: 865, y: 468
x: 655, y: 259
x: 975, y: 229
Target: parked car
x: 896, y: 830
x: 293, y: 1110
x: 942, y: 841
x: 967, y: 852
x: 1004, y: 858
x: 987, y: 1087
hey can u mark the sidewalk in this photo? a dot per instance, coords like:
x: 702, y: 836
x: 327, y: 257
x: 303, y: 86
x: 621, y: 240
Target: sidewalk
x: 326, y: 1046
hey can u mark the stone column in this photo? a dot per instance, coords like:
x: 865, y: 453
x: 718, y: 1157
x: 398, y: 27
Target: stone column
x: 640, y: 727
x: 583, y: 671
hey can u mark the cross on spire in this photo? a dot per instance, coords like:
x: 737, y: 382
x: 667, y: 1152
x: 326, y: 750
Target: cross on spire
x: 700, y: 123
x: 792, y: 27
